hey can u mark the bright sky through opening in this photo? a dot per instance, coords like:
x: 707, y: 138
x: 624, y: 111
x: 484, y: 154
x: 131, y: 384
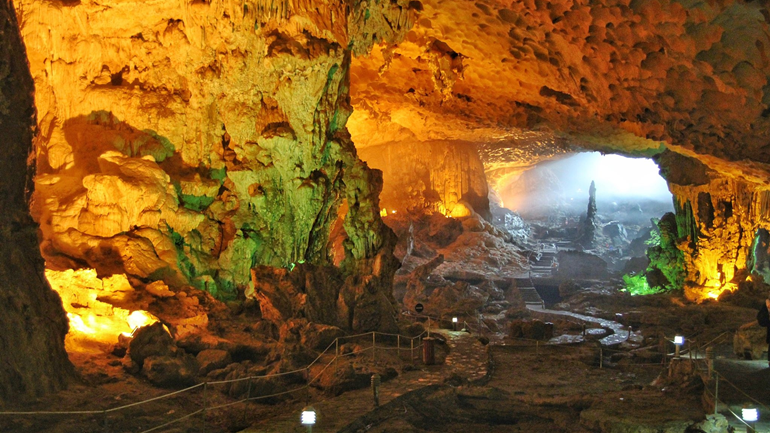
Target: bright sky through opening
x: 617, y: 177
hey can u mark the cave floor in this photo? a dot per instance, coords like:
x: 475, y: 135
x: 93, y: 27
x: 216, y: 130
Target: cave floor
x: 508, y: 386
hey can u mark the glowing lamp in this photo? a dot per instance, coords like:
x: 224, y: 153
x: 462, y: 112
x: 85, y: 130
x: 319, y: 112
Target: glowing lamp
x: 679, y: 340
x: 454, y: 319
x: 308, y: 416
x: 750, y: 414
x: 140, y: 318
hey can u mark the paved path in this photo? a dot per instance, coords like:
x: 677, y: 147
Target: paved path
x: 468, y: 360
x: 619, y: 332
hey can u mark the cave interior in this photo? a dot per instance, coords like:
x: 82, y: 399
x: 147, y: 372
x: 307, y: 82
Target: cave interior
x: 504, y: 214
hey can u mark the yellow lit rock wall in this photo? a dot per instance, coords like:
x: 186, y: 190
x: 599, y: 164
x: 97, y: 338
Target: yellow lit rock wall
x: 445, y: 177
x: 190, y: 140
x: 717, y: 221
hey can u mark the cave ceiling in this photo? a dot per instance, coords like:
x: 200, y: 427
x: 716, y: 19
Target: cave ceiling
x: 632, y: 77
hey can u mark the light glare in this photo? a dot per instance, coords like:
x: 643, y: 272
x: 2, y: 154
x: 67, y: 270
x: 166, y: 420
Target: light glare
x: 750, y: 414
x: 308, y: 416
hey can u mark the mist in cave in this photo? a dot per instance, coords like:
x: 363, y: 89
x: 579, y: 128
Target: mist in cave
x: 630, y: 190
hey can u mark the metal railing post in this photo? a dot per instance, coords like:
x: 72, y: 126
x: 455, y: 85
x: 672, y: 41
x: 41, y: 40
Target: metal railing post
x: 106, y: 428
x: 716, y: 394
x: 374, y: 347
x: 398, y: 346
x: 601, y: 357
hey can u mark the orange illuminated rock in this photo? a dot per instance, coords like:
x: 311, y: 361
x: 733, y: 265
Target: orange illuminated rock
x: 188, y: 142
x: 440, y: 177
x: 90, y: 302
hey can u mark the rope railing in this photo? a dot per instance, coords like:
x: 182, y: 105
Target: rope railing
x: 336, y: 355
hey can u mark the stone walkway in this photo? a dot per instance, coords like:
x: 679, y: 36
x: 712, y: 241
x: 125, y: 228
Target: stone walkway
x: 467, y: 360
x: 619, y: 332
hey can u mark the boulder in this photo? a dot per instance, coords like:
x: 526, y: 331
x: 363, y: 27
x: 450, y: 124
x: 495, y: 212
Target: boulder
x: 212, y: 359
x: 318, y: 337
x: 338, y: 379
x: 167, y: 371
x: 159, y: 289
x: 152, y: 340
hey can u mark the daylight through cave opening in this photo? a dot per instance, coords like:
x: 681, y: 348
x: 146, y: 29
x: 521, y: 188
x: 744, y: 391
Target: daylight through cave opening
x: 630, y: 190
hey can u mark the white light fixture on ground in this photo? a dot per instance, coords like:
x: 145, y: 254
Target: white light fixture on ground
x: 750, y: 416
x: 678, y: 342
x: 308, y: 418
x: 454, y: 323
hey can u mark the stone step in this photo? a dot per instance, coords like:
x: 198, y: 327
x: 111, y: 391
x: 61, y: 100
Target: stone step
x: 530, y: 296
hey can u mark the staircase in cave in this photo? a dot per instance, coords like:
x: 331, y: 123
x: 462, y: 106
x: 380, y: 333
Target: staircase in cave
x: 542, y: 261
x: 528, y: 292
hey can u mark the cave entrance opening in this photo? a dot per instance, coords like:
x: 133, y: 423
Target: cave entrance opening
x: 608, y: 205
x: 630, y: 189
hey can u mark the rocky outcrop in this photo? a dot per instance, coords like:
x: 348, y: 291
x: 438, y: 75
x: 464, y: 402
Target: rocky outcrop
x: 717, y: 219
x: 666, y: 268
x: 445, y: 177
x: 589, y: 223
x: 322, y: 294
x: 32, y: 322
x: 190, y: 142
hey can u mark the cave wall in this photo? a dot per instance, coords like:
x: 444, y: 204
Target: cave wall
x: 630, y: 77
x: 190, y: 141
x: 717, y: 224
x: 717, y: 219
x: 444, y: 177
x: 32, y: 321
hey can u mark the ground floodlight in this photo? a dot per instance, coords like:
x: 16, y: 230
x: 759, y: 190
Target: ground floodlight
x: 750, y: 414
x: 308, y: 416
x: 679, y: 340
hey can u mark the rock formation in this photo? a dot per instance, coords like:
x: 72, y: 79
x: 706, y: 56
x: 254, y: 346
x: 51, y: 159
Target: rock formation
x: 32, y: 321
x: 444, y: 177
x: 589, y: 224
x: 635, y: 78
x: 192, y: 141
x: 666, y: 268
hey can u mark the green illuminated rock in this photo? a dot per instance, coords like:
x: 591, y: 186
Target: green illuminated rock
x: 666, y: 269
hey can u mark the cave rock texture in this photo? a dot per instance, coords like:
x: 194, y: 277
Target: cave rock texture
x: 442, y: 177
x: 32, y: 321
x: 527, y: 80
x: 191, y: 141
